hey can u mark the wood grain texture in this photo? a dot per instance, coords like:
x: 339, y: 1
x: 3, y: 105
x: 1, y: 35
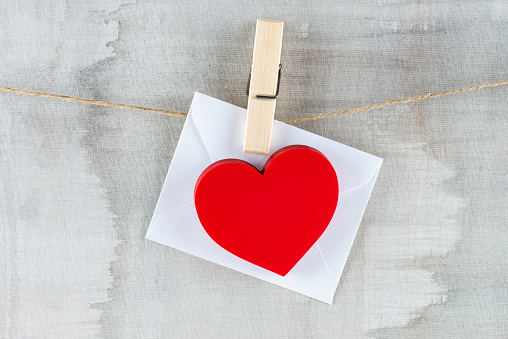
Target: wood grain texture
x: 258, y: 127
x: 266, y: 57
x: 78, y: 184
x: 264, y: 81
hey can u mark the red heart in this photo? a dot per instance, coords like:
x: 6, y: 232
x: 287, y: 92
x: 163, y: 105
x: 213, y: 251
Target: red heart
x: 273, y: 217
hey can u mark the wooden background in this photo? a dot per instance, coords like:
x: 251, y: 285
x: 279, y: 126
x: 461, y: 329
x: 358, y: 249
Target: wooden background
x: 78, y: 183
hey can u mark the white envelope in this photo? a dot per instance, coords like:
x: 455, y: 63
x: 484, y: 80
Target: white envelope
x: 214, y: 130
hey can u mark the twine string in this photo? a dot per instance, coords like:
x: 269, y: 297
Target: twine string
x: 398, y: 101
x: 90, y: 102
x: 293, y: 121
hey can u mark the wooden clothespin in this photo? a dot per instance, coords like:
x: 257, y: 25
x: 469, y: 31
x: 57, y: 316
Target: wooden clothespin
x: 263, y: 86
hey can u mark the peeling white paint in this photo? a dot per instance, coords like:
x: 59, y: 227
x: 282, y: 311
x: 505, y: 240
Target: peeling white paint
x: 49, y: 40
x: 109, y: 33
x: 419, y: 220
x: 57, y: 237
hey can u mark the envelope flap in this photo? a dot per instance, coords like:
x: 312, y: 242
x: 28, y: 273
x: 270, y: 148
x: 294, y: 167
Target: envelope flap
x: 311, y: 275
x: 337, y: 240
x: 222, y: 127
x: 353, y: 167
x: 190, y: 159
